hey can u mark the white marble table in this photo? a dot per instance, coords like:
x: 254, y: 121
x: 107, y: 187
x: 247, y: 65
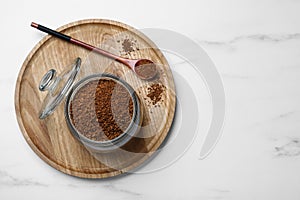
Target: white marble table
x: 255, y: 45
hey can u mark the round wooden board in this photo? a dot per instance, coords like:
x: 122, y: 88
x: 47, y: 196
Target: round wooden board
x: 51, y: 139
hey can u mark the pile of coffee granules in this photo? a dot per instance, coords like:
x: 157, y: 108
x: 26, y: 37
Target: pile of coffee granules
x: 101, y: 109
x: 128, y: 46
x: 155, y: 92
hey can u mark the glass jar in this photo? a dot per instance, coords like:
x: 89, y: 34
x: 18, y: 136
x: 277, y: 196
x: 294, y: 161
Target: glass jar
x: 101, y: 110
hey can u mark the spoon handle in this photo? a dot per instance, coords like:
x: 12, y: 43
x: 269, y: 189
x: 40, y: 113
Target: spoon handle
x: 79, y: 43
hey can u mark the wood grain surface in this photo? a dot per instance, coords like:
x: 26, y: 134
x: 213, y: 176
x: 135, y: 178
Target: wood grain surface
x: 51, y: 139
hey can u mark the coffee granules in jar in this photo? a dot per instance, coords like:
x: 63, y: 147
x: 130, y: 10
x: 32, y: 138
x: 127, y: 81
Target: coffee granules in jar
x: 101, y: 109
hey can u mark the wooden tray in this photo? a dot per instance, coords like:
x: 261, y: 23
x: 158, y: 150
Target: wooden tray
x: 51, y: 139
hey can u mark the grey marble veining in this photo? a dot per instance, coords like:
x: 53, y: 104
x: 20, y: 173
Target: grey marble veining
x: 292, y: 148
x: 113, y: 188
x: 255, y: 37
x: 8, y: 180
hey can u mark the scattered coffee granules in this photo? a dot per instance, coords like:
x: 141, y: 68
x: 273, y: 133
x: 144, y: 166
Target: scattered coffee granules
x: 146, y: 69
x: 101, y: 109
x: 155, y: 92
x: 127, y: 46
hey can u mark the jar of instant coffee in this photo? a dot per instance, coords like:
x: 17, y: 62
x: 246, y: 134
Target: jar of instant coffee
x: 101, y: 110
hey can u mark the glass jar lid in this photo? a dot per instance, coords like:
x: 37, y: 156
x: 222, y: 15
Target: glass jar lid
x: 57, y: 86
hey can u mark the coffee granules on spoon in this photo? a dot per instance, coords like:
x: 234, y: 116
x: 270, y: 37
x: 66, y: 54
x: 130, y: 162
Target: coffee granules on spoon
x: 101, y: 109
x: 146, y: 69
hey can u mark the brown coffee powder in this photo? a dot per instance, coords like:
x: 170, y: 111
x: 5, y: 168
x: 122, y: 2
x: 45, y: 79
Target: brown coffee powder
x: 127, y: 46
x: 101, y: 109
x: 146, y: 69
x: 155, y: 92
